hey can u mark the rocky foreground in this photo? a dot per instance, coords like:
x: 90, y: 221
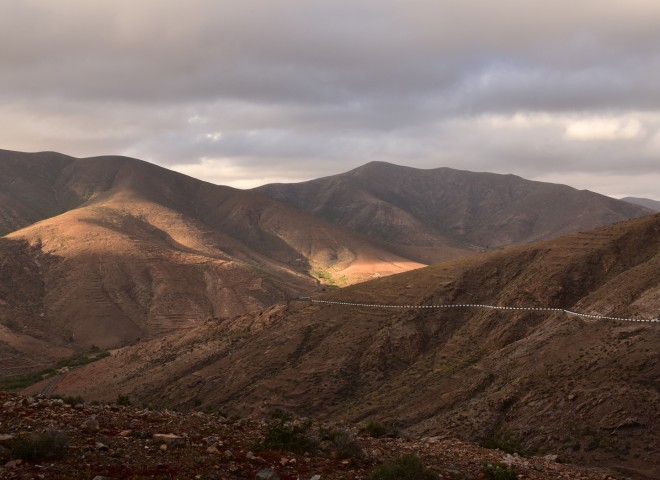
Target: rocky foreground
x: 58, y: 438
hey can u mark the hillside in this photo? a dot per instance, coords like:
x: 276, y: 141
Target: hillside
x: 113, y: 441
x: 644, y: 202
x: 439, y: 214
x: 134, y: 250
x: 582, y: 388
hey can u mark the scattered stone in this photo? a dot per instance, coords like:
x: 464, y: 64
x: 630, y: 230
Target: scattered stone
x: 228, y: 454
x: 267, y: 474
x: 102, y: 446
x: 163, y: 447
x: 91, y: 425
x: 124, y: 433
x: 103, y: 477
x: 13, y: 463
x: 316, y: 477
x: 213, y: 450
x: 170, y: 439
x: 250, y: 456
x: 551, y: 458
x: 572, y: 396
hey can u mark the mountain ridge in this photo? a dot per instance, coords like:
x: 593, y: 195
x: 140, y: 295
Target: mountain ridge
x: 433, y: 215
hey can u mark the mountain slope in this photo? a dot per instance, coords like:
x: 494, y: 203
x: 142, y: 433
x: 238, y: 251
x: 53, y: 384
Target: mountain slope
x: 139, y: 250
x: 644, y: 202
x: 439, y: 214
x: 582, y: 388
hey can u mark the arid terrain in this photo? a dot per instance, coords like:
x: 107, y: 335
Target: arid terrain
x: 104, y: 252
x: 113, y: 442
x: 225, y: 301
x: 441, y: 214
x: 582, y: 388
x: 123, y: 250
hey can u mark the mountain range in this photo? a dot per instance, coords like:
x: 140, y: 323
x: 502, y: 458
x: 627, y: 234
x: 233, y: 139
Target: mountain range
x: 220, y: 298
x: 584, y: 388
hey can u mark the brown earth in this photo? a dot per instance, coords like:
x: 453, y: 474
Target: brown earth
x: 126, y: 250
x: 112, y: 442
x: 585, y: 389
x: 439, y: 214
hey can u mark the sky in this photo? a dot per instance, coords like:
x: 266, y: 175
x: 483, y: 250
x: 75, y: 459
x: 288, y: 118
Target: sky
x: 248, y: 92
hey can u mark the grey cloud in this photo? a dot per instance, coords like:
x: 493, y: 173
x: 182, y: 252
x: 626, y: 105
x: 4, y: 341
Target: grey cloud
x: 308, y: 84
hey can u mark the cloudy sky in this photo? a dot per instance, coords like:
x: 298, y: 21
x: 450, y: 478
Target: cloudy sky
x: 249, y: 92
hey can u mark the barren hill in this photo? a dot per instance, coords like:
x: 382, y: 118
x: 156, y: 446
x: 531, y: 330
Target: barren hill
x: 644, y: 202
x: 582, y: 388
x: 126, y: 250
x: 439, y: 214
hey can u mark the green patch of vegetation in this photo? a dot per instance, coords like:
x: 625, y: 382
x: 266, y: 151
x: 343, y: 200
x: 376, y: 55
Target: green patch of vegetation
x: 19, y: 382
x: 123, y: 400
x: 35, y: 447
x: 499, y: 471
x: 285, y: 434
x: 505, y: 440
x: 405, y: 467
x: 324, y: 277
x: 341, y: 443
x: 377, y: 429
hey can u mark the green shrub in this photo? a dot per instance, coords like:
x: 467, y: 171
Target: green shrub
x: 377, y: 429
x: 345, y: 446
x: 48, y: 445
x: 504, y: 440
x: 499, y: 471
x: 123, y: 400
x: 405, y: 467
x: 284, y: 435
x: 69, y: 400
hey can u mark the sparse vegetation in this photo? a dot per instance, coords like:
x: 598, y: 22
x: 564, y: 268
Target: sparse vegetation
x: 405, y: 467
x: 48, y: 445
x: 377, y: 429
x: 505, y: 440
x: 123, y: 400
x: 499, y: 471
x: 20, y: 382
x: 342, y: 443
x: 286, y: 434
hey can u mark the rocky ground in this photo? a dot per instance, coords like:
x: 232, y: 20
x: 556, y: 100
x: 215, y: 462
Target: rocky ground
x: 105, y: 441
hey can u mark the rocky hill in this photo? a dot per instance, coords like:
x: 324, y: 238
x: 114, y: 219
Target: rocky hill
x: 123, y: 250
x: 439, y: 214
x: 55, y: 439
x: 580, y: 387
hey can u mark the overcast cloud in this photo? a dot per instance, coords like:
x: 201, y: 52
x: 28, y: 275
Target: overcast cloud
x: 245, y: 93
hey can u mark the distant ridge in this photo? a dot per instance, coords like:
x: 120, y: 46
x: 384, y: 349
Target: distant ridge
x: 644, y: 202
x: 439, y: 214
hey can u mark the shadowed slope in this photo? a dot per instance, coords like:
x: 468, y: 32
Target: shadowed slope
x: 584, y: 389
x: 439, y: 214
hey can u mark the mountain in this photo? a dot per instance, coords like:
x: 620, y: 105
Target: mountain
x: 644, y: 202
x: 581, y: 387
x: 123, y: 249
x: 440, y: 214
